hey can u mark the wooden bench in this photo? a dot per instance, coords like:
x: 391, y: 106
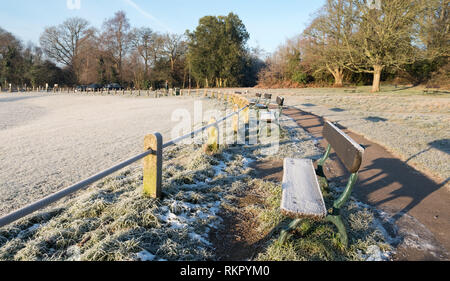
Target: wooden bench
x: 433, y: 90
x: 257, y: 100
x: 267, y: 116
x: 270, y: 116
x: 352, y: 90
x: 280, y: 103
x: 302, y: 196
x: 267, y: 99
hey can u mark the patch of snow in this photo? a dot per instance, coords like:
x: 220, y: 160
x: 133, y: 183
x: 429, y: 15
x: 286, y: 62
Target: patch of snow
x: 145, y: 256
x: 200, y: 238
x: 219, y: 169
x: 374, y: 253
x: 74, y: 253
x: 29, y: 230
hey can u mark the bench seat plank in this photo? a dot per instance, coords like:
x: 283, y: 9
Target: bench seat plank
x: 302, y: 197
x: 267, y: 116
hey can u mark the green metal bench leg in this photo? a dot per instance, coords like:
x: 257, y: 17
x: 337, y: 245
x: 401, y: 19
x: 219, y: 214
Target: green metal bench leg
x: 285, y: 233
x: 337, y: 221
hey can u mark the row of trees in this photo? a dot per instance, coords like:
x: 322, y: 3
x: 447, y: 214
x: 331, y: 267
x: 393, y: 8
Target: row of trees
x: 117, y: 53
x: 25, y: 65
x: 356, y: 38
x: 74, y: 52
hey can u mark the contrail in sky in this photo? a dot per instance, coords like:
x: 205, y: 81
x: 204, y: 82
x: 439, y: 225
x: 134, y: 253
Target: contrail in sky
x: 147, y: 15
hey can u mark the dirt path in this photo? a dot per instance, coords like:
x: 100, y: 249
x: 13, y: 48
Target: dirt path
x: 419, y: 206
x: 239, y: 239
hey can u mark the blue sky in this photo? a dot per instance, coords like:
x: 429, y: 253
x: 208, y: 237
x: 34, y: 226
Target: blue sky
x: 269, y: 22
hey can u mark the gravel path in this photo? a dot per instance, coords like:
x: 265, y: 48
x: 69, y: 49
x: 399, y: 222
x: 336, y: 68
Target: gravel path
x: 48, y: 142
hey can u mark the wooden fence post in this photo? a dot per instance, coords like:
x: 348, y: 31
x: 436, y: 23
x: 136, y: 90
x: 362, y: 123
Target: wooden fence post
x: 212, y: 145
x: 153, y: 165
x: 246, y: 111
x: 236, y: 118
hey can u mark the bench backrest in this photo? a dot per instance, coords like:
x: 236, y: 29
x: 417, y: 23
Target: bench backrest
x: 346, y: 148
x: 280, y: 101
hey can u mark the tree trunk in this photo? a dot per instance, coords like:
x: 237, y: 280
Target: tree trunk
x: 338, y: 77
x: 338, y: 74
x: 376, y: 78
x: 172, y: 64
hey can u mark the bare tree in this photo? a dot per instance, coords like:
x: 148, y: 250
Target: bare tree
x: 173, y: 48
x: 116, y: 39
x: 435, y: 28
x: 325, y: 38
x: 147, y: 44
x: 62, y: 43
x: 384, y: 38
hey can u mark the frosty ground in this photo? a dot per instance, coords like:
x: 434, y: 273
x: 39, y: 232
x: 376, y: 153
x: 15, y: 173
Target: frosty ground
x: 50, y: 141
x: 112, y: 220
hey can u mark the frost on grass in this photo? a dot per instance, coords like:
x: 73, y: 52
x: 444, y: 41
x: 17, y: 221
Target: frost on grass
x: 318, y: 240
x: 113, y: 220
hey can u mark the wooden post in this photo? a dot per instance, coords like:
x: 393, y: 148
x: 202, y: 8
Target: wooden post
x: 235, y: 118
x: 212, y: 145
x: 153, y: 165
x: 246, y: 111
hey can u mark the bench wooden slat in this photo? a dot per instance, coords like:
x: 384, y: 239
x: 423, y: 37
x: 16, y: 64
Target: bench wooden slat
x: 280, y: 101
x: 346, y: 149
x: 267, y: 116
x: 302, y: 197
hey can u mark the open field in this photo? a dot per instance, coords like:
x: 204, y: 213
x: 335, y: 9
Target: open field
x: 412, y: 125
x: 51, y: 141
